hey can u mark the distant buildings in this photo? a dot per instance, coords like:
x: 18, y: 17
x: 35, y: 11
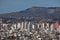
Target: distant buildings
x: 38, y: 29
x: 31, y: 25
x: 22, y: 28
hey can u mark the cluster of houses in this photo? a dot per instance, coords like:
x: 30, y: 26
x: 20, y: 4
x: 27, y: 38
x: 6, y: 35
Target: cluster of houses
x: 30, y: 27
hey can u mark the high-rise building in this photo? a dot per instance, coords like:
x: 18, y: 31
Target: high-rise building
x: 56, y: 24
x: 25, y: 25
x: 33, y: 26
x: 21, y: 25
x: 43, y: 25
x: 51, y: 27
x: 18, y: 25
x: 38, y: 25
x: 29, y: 26
x: 14, y: 26
x: 4, y: 25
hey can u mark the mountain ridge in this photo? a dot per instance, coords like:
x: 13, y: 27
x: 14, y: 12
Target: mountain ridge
x: 41, y: 12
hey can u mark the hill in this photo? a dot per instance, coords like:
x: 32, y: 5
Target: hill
x: 35, y: 13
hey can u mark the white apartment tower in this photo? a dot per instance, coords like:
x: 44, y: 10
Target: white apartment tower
x: 51, y: 27
x: 33, y: 26
x: 18, y: 25
x: 38, y: 25
x: 29, y: 26
x: 43, y: 25
x: 21, y: 25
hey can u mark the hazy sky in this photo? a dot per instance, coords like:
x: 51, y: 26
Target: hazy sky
x: 7, y: 6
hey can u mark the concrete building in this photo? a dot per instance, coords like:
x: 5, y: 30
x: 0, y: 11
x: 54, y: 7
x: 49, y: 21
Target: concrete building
x: 21, y: 25
x: 51, y: 27
x: 14, y: 26
x: 29, y: 26
x: 18, y: 26
x: 33, y: 26
x: 25, y: 25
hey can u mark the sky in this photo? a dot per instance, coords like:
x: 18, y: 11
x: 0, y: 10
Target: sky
x: 7, y: 6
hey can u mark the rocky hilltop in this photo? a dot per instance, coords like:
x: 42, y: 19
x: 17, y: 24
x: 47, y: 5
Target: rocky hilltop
x: 36, y: 13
